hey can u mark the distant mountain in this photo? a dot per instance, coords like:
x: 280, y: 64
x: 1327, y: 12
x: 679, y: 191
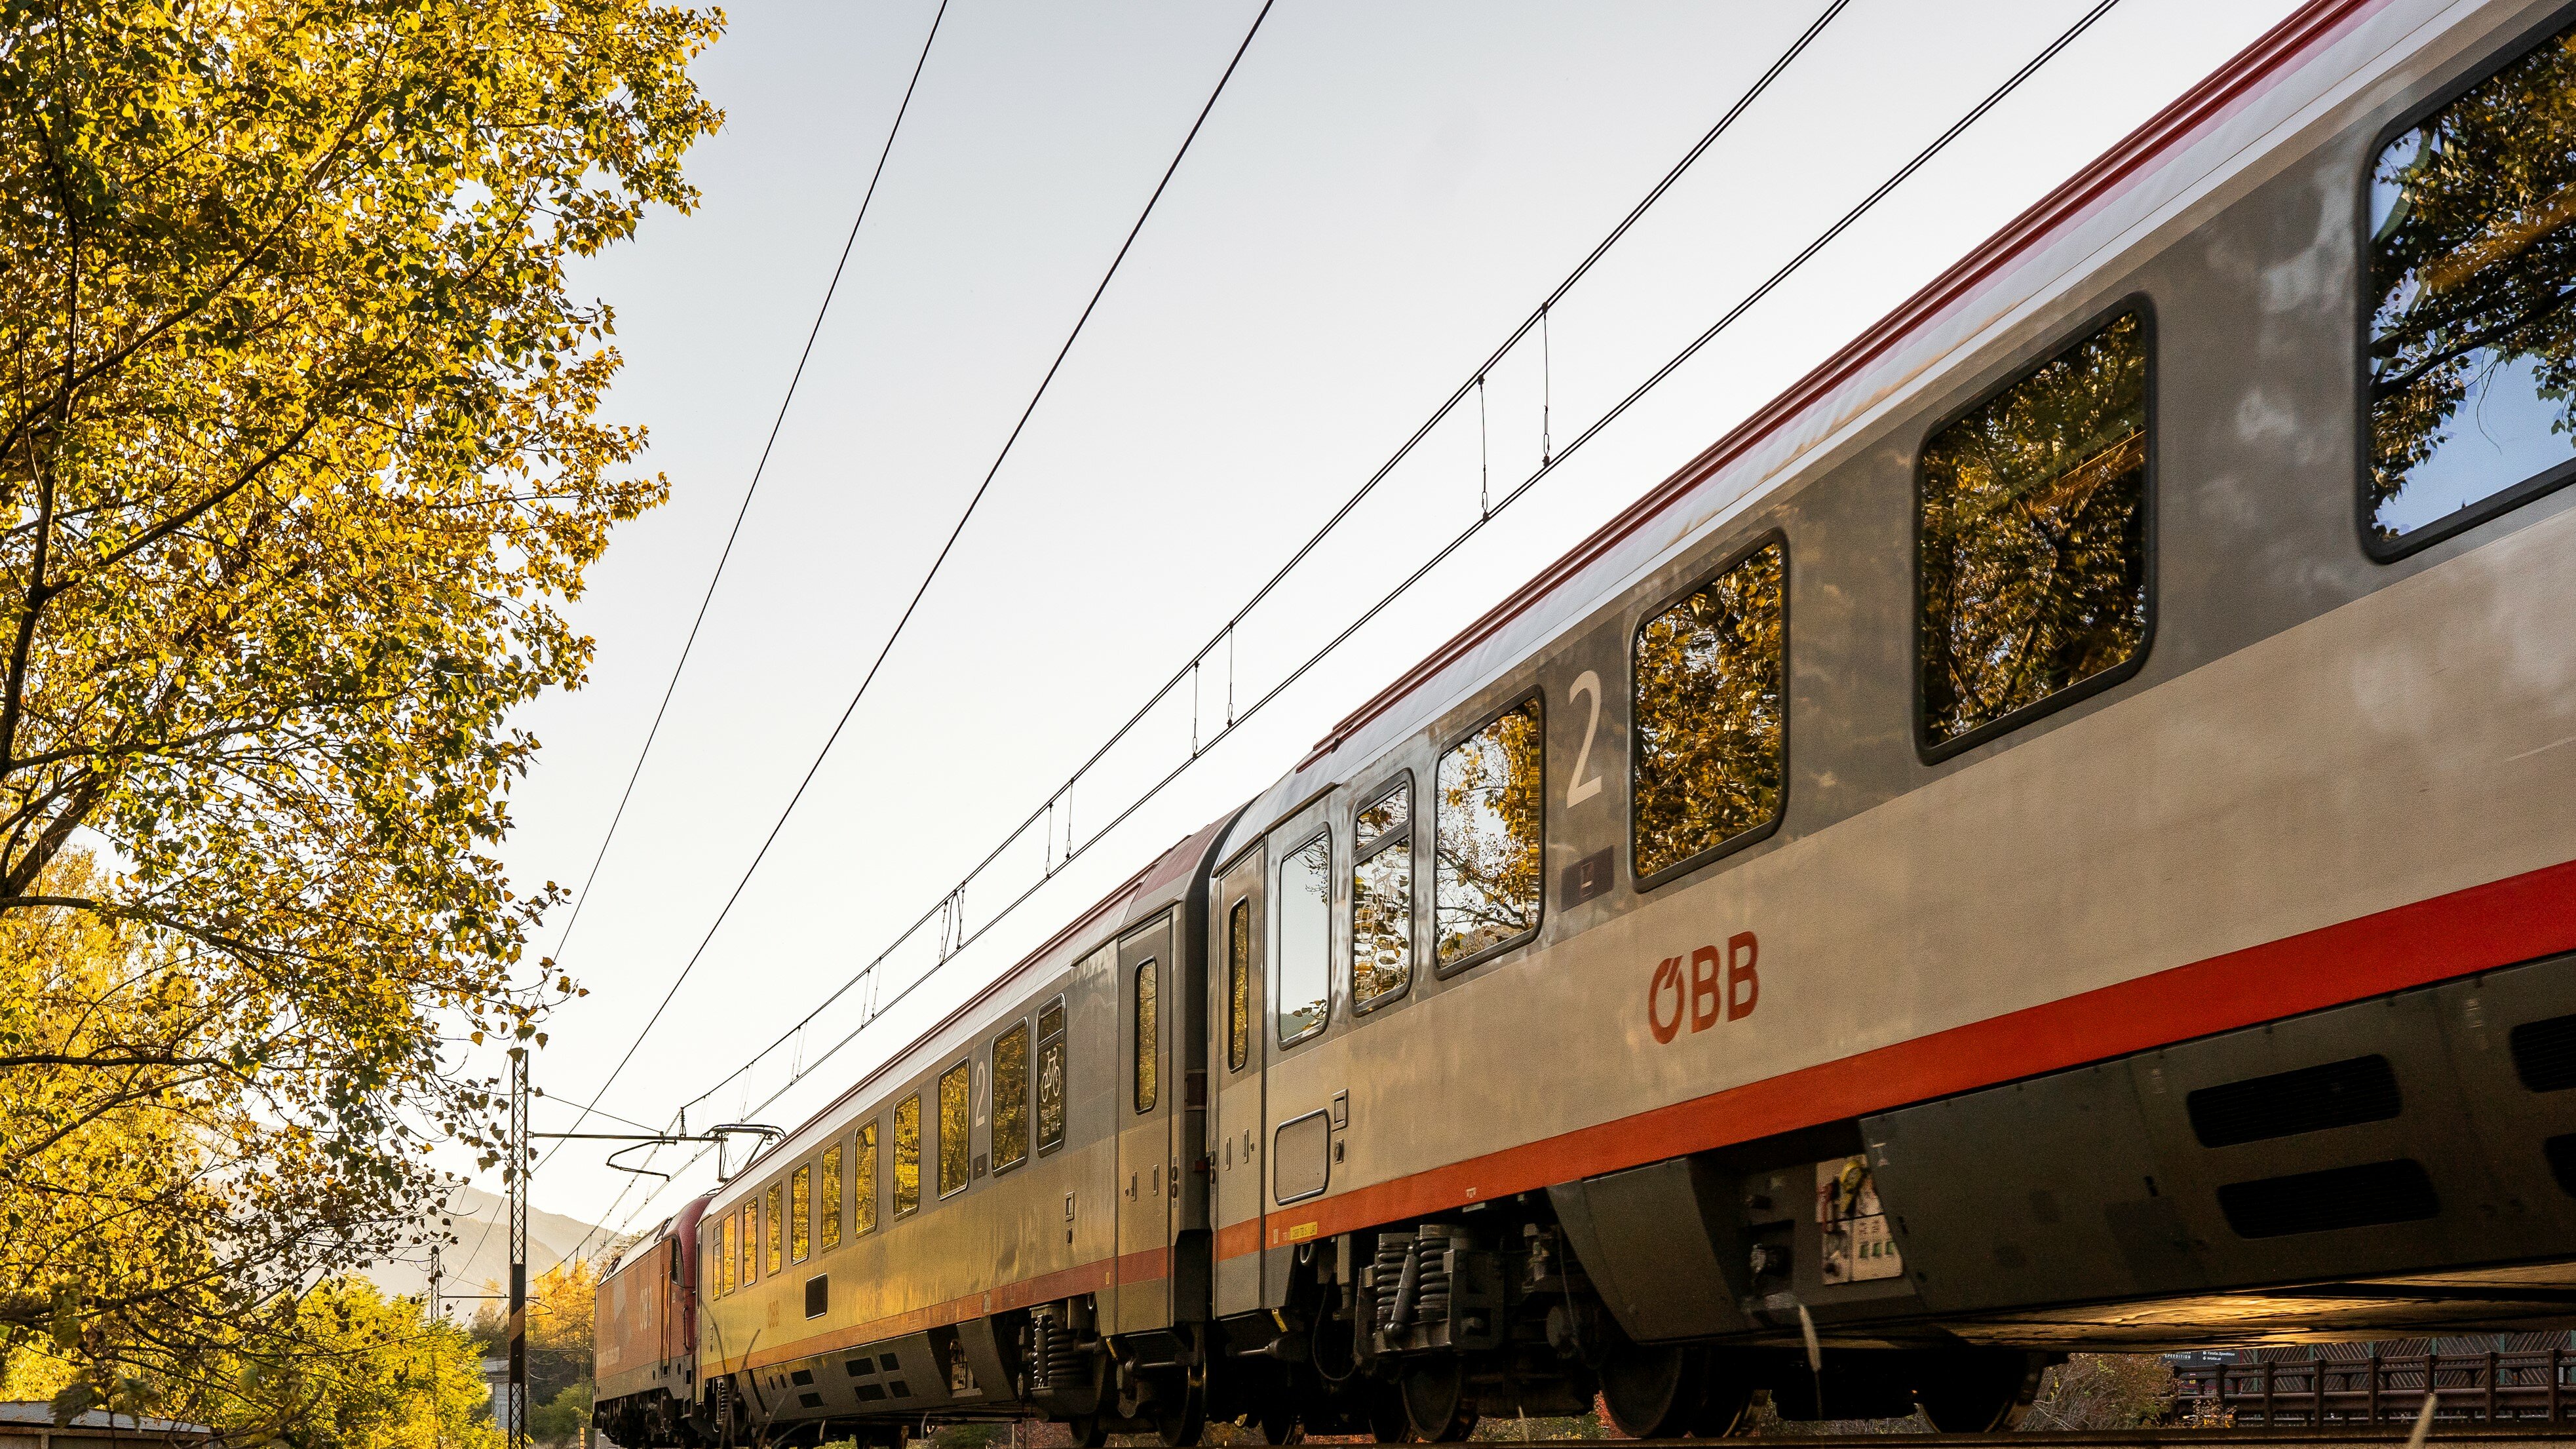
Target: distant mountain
x: 480, y: 1256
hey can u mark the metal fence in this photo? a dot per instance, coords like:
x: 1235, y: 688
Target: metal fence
x: 2530, y: 1387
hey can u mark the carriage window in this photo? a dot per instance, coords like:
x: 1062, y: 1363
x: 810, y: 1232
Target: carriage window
x: 1708, y: 706
x: 2473, y: 282
x: 1305, y: 939
x: 1149, y: 1038
x: 772, y: 1221
x: 1238, y: 984
x: 2034, y: 537
x: 1011, y: 1097
x: 863, y: 1187
x: 750, y: 1241
x: 1484, y: 889
x: 725, y: 1255
x: 800, y: 1206
x: 1382, y: 898
x: 956, y: 1148
x: 907, y: 1154
x: 831, y: 1226
x: 1051, y: 1077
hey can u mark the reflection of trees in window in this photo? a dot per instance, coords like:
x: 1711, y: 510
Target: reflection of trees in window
x: 772, y: 1221
x: 863, y: 1189
x: 1149, y: 1037
x: 1051, y: 1077
x: 726, y: 1248
x: 1485, y: 873
x: 2473, y: 269
x: 1708, y: 681
x: 955, y: 1146
x: 2034, y: 535
x: 907, y: 1154
x: 750, y: 1241
x: 831, y: 1185
x: 1011, y: 1096
x: 1238, y: 984
x: 800, y: 1205
x: 1382, y: 896
x: 1305, y: 909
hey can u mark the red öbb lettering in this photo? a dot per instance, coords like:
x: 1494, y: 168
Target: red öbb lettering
x: 1718, y: 986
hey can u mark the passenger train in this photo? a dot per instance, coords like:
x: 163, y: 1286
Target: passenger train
x: 2058, y: 833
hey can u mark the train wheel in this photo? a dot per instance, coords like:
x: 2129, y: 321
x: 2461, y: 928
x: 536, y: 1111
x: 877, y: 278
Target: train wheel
x: 1386, y: 1421
x: 1278, y: 1420
x: 1726, y: 1392
x: 1089, y: 1431
x: 1180, y: 1417
x: 1654, y: 1391
x: 1978, y: 1391
x: 1436, y: 1406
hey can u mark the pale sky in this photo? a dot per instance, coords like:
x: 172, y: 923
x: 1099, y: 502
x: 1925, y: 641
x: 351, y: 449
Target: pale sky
x: 1383, y: 192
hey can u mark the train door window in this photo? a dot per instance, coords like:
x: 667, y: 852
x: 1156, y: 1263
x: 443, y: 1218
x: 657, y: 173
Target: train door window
x: 2471, y: 362
x: 1382, y: 897
x: 2032, y: 542
x: 1707, y: 675
x: 956, y: 1149
x: 828, y: 1211
x: 863, y: 1181
x: 800, y: 1208
x: 773, y: 1221
x: 907, y: 1154
x: 725, y: 1250
x: 1051, y: 1076
x: 1484, y: 890
x: 1011, y: 1097
x: 1238, y: 985
x: 1149, y: 1034
x: 1305, y: 914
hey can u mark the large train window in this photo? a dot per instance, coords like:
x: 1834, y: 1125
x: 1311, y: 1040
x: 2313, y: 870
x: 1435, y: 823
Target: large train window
x: 1238, y: 984
x: 956, y: 1148
x: 2032, y: 542
x: 863, y: 1184
x: 772, y: 1220
x: 1491, y: 791
x: 1305, y: 913
x: 800, y: 1209
x: 829, y: 1230
x: 1149, y: 1034
x: 1708, y: 679
x: 750, y: 1241
x: 1382, y: 897
x: 1051, y: 1076
x: 907, y: 1154
x: 1011, y: 1097
x: 725, y: 1249
x: 2472, y: 350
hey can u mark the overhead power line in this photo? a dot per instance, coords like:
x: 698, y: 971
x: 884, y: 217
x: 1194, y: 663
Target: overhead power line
x: 932, y: 574
x: 1556, y: 460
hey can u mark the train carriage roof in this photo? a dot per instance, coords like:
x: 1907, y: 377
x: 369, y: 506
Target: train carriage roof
x: 2208, y: 145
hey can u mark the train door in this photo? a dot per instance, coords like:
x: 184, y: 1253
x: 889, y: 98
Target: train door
x: 1235, y: 1058
x: 1144, y: 1107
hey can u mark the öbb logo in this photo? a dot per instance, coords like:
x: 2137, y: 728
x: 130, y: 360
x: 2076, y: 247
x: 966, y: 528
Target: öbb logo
x: 1704, y: 995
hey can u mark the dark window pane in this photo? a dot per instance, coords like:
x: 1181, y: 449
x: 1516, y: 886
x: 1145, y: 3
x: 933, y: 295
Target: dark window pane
x: 1238, y: 985
x: 2472, y: 271
x: 1305, y: 909
x: 907, y: 1155
x: 1708, y: 687
x: 1485, y: 876
x: 956, y: 1147
x: 1051, y: 1095
x: 1011, y: 1096
x: 1149, y: 1036
x: 2034, y: 567
x: 1382, y: 898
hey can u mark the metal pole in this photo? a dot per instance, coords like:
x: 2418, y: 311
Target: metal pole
x: 516, y: 1421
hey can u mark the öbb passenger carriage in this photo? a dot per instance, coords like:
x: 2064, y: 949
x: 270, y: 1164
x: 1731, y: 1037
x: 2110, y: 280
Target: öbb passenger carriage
x: 2054, y: 834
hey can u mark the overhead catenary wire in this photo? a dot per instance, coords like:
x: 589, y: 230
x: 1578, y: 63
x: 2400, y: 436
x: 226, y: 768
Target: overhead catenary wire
x: 1653, y: 380
x: 931, y: 575
x: 759, y: 469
